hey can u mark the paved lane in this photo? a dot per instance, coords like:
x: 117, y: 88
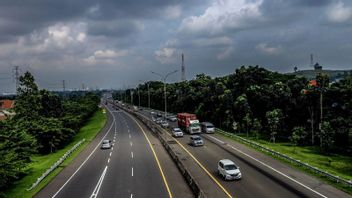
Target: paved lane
x: 128, y: 169
x: 257, y: 181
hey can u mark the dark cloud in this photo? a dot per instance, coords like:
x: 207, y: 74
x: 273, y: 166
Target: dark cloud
x: 111, y: 43
x: 116, y: 28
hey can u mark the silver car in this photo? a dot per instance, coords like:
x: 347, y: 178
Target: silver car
x: 177, y: 132
x: 228, y: 170
x: 196, y: 140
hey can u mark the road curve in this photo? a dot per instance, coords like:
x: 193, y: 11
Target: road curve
x: 134, y: 167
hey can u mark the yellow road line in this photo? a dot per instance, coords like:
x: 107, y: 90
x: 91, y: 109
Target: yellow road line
x: 156, y: 158
x: 195, y: 159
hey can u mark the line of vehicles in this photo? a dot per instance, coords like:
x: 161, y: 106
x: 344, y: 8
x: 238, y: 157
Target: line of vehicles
x: 189, y: 123
x: 186, y: 122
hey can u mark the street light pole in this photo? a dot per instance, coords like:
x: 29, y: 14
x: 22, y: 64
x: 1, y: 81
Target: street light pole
x: 163, y: 78
x: 139, y: 98
x: 148, y: 96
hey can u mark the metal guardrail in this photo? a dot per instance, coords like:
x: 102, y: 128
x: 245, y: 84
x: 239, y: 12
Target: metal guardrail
x: 334, y: 178
x: 54, y: 166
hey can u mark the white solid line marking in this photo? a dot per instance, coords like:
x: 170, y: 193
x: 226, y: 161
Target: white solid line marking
x: 109, y: 160
x: 97, y: 187
x: 264, y: 164
x: 131, y: 154
x: 132, y: 171
x: 69, y: 179
x: 131, y: 143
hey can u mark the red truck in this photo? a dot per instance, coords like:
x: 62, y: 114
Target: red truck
x: 188, y: 122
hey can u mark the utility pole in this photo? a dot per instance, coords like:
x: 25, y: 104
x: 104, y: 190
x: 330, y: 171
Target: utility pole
x: 63, y: 86
x: 148, y: 96
x: 163, y: 78
x: 16, y: 74
x: 183, y: 68
x: 139, y: 98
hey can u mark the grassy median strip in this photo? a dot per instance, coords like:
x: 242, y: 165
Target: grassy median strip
x: 42, y: 162
x: 335, y: 164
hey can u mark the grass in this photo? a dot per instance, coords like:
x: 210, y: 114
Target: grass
x: 339, y: 165
x: 42, y: 162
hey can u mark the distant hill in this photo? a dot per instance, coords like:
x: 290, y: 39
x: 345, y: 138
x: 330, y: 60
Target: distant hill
x: 334, y: 75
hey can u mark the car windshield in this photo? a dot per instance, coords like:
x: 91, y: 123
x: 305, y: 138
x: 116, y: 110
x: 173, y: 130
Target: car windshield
x: 197, y: 138
x: 105, y: 141
x: 194, y: 125
x: 177, y: 130
x: 230, y: 167
x: 210, y: 126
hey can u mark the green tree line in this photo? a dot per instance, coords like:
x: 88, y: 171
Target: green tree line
x: 263, y: 104
x: 43, y: 123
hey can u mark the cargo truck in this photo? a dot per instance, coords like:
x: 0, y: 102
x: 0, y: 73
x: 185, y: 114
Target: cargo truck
x: 188, y: 122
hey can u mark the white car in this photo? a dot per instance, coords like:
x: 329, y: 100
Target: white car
x: 164, y: 124
x: 158, y: 120
x: 228, y: 170
x: 106, y: 144
x: 177, y: 132
x: 172, y: 118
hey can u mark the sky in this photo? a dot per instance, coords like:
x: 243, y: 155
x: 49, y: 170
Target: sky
x: 116, y: 44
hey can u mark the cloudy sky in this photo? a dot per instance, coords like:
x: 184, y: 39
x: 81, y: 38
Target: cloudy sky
x: 115, y: 44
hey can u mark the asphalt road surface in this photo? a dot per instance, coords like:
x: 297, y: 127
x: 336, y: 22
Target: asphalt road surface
x: 258, y: 179
x: 136, y: 166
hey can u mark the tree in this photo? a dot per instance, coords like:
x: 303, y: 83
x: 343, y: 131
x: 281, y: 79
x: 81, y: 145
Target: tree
x: 322, y: 84
x: 28, y: 102
x: 298, y: 135
x: 257, y: 127
x: 274, y: 119
x: 16, y: 147
x: 326, y: 134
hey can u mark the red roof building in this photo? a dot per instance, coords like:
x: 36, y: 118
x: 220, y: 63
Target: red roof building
x: 6, y: 104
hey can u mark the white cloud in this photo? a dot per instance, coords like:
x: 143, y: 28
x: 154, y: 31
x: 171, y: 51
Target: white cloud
x: 172, y: 12
x: 81, y: 37
x: 269, y: 50
x: 223, y: 15
x: 106, y: 56
x: 339, y: 13
x: 165, y: 55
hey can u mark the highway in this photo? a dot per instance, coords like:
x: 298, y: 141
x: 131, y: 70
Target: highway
x: 136, y: 166
x: 258, y: 179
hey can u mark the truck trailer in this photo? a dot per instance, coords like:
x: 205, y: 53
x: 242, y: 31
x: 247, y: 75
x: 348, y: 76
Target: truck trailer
x: 188, y: 122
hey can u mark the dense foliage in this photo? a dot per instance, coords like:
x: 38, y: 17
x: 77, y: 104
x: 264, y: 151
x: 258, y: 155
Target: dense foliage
x: 262, y: 103
x: 44, y: 122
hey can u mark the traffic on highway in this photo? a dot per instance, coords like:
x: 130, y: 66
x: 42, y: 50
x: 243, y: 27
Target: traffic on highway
x: 128, y: 159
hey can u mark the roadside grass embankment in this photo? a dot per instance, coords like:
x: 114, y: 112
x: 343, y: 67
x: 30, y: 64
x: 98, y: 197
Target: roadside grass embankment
x: 335, y: 164
x: 42, y: 162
